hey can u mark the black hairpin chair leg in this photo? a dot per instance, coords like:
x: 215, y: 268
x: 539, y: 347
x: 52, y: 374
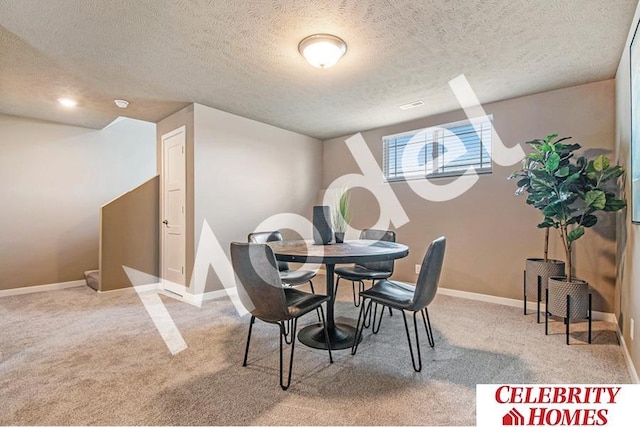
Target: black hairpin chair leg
x: 415, y: 328
x: 293, y: 345
x: 246, y: 350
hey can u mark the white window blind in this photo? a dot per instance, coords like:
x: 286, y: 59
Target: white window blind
x: 445, y: 150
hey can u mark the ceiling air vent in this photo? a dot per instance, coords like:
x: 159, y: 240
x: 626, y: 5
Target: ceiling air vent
x: 414, y: 104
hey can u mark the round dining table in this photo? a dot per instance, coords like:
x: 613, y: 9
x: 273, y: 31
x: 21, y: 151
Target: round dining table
x: 341, y: 335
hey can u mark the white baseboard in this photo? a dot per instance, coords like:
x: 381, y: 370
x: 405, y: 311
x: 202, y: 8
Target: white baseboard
x: 531, y: 305
x: 627, y: 357
x: 187, y: 297
x: 42, y: 288
x: 597, y: 315
x: 139, y: 288
x: 210, y: 296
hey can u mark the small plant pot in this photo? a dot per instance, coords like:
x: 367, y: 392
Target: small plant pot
x: 568, y: 300
x: 578, y: 291
x: 339, y: 236
x: 539, y: 267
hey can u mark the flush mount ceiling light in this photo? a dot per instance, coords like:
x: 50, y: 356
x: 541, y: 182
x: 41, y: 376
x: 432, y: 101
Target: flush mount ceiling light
x: 121, y: 103
x: 67, y: 102
x: 322, y: 50
x: 414, y: 104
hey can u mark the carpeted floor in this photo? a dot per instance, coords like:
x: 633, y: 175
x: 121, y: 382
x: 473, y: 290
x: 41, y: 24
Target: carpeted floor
x: 75, y: 357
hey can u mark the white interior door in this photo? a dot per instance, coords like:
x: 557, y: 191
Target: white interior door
x: 173, y: 256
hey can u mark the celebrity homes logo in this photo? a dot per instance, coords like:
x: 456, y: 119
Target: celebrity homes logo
x: 556, y: 404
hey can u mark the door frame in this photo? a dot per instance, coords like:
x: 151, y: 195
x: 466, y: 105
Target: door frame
x: 175, y: 288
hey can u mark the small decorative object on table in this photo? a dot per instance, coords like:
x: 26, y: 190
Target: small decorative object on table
x: 341, y: 216
x: 322, y: 232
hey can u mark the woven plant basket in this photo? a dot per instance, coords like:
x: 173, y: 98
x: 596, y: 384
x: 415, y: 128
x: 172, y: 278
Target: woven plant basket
x: 577, y: 289
x: 538, y: 267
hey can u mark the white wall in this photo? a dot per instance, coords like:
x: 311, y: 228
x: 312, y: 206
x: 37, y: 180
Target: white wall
x: 54, y: 180
x: 246, y: 171
x: 628, y: 272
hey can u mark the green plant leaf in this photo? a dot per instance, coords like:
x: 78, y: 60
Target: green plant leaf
x: 553, y: 162
x: 562, y: 172
x: 614, y: 204
x: 548, y: 222
x: 536, y: 157
x: 571, y: 178
x: 535, y: 197
x: 552, y: 210
x: 600, y: 163
x: 569, y: 148
x: 575, y: 234
x: 595, y: 199
x: 589, y: 220
x: 612, y: 173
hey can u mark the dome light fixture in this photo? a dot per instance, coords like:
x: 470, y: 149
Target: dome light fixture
x: 121, y: 103
x: 322, y: 50
x: 68, y: 102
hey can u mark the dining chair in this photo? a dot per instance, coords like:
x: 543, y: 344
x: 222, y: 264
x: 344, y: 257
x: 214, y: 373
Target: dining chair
x: 405, y: 297
x: 367, y: 270
x: 289, y: 277
x: 262, y: 293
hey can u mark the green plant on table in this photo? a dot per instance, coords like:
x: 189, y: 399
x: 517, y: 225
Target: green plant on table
x: 342, y: 212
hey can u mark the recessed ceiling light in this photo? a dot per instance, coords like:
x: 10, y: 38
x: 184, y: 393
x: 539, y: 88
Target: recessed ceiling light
x: 414, y: 104
x: 67, y: 102
x: 322, y: 50
x: 121, y: 103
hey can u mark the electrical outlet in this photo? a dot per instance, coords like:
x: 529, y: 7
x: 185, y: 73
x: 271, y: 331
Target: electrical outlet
x: 417, y: 268
x: 631, y: 329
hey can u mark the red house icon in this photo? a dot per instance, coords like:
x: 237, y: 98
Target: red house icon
x: 513, y: 418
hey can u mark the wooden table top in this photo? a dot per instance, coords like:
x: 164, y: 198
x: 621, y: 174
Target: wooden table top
x: 338, y: 253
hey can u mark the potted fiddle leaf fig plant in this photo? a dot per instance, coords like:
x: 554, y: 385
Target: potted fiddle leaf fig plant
x: 569, y: 191
x: 538, y: 270
x: 341, y: 216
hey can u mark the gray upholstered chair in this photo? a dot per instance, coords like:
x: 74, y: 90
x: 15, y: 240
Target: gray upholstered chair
x: 405, y: 297
x: 261, y: 291
x: 368, y: 270
x: 289, y: 277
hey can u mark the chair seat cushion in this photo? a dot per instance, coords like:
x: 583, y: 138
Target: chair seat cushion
x: 296, y: 277
x: 299, y: 303
x: 394, y: 294
x: 358, y: 272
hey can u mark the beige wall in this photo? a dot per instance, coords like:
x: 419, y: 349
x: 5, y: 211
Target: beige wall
x: 627, y: 298
x: 490, y: 231
x: 247, y: 171
x: 54, y: 180
x: 129, y: 237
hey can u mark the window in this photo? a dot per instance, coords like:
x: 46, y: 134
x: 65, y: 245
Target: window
x: 439, y: 151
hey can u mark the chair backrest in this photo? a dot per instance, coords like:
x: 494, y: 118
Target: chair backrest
x: 268, y: 236
x: 427, y: 283
x: 258, y: 281
x: 384, y: 235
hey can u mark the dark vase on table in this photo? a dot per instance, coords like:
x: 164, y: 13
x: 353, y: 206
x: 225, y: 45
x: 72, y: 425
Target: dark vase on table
x: 339, y: 235
x: 322, y: 230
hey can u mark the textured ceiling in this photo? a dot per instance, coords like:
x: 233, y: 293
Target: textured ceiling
x: 241, y: 56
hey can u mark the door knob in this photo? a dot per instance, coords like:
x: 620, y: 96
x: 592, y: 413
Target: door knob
x: 166, y: 222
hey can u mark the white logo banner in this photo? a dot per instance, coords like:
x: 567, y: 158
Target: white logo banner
x: 557, y: 404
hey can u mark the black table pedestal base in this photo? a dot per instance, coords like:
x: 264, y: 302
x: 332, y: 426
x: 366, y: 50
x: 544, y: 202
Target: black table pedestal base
x: 341, y: 336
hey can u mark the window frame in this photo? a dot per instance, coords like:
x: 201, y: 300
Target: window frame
x: 446, y: 174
